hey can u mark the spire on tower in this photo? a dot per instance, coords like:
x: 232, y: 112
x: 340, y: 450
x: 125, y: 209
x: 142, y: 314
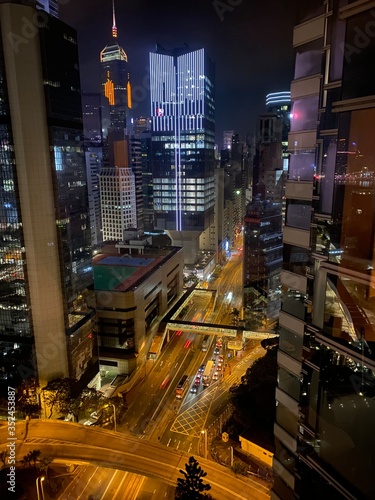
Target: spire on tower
x: 114, y: 27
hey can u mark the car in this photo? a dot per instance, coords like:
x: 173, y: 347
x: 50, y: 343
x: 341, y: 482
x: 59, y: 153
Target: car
x: 220, y: 359
x: 194, y: 388
x: 201, y: 368
x: 215, y: 376
x: 88, y: 422
x: 218, y: 367
x: 198, y: 379
x: 219, y: 343
x: 164, y: 384
x: 216, y: 351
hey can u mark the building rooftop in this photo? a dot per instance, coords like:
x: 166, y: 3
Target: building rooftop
x: 121, y: 273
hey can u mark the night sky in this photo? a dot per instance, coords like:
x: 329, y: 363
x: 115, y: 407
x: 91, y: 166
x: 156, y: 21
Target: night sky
x: 251, y: 44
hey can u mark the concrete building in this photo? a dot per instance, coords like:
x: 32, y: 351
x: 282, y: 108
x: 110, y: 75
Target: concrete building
x: 133, y: 291
x: 117, y: 195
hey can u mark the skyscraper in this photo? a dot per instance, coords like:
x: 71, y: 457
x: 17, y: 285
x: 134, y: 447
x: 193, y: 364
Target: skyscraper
x: 117, y: 195
x: 183, y: 143
x: 116, y: 89
x: 50, y: 6
x: 93, y: 142
x: 45, y: 254
x: 324, y: 433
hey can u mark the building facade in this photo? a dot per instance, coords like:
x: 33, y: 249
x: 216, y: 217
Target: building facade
x: 116, y: 88
x: 262, y: 264
x: 117, y: 195
x: 45, y: 259
x: 183, y: 143
x: 133, y: 290
x: 93, y: 142
x: 324, y: 436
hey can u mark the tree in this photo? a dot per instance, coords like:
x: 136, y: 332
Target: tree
x: 34, y: 455
x: 26, y: 460
x: 43, y: 464
x: 192, y: 486
x: 3, y: 457
x: 57, y: 395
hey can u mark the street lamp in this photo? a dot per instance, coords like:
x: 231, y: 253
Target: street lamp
x: 114, y: 415
x: 39, y: 487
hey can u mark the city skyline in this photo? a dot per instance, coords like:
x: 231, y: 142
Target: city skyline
x: 250, y: 61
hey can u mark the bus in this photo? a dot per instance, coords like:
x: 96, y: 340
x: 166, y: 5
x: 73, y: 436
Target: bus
x: 182, y: 387
x: 207, y: 373
x: 205, y: 343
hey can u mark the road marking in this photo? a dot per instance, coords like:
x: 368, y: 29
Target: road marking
x: 88, y: 482
x: 109, y: 483
x: 169, y: 441
x: 120, y: 485
x: 178, y: 445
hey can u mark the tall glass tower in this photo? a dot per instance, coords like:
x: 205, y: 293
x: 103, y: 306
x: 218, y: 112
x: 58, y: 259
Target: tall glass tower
x: 324, y: 432
x: 45, y: 253
x: 183, y: 142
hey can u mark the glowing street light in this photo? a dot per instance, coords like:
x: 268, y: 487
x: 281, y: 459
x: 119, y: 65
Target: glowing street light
x: 39, y: 487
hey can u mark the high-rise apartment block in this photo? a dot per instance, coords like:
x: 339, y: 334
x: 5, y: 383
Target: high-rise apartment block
x: 324, y: 433
x: 46, y: 322
x: 183, y: 142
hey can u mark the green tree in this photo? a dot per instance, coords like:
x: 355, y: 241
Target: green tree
x: 191, y: 486
x: 57, y: 395
x: 3, y: 456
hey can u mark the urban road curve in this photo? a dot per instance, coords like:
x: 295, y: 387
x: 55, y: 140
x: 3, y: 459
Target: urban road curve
x: 76, y: 443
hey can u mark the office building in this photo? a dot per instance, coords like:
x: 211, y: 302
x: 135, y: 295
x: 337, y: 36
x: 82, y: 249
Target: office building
x: 262, y: 262
x: 117, y: 195
x: 140, y: 281
x: 325, y: 441
x: 93, y: 142
x: 116, y: 89
x: 183, y: 142
x: 147, y: 180
x: 45, y: 253
x: 50, y: 6
x: 141, y: 125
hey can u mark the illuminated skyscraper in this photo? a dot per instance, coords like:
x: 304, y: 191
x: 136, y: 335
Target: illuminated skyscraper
x: 183, y: 144
x: 116, y: 89
x: 50, y: 6
x: 45, y: 256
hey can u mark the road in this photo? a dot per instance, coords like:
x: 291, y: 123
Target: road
x: 74, y: 442
x: 108, y: 484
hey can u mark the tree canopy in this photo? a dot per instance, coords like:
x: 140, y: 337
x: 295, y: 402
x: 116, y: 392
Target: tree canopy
x: 191, y: 487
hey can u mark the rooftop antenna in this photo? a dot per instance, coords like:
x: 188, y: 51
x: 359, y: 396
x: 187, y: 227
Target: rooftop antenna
x: 114, y: 27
